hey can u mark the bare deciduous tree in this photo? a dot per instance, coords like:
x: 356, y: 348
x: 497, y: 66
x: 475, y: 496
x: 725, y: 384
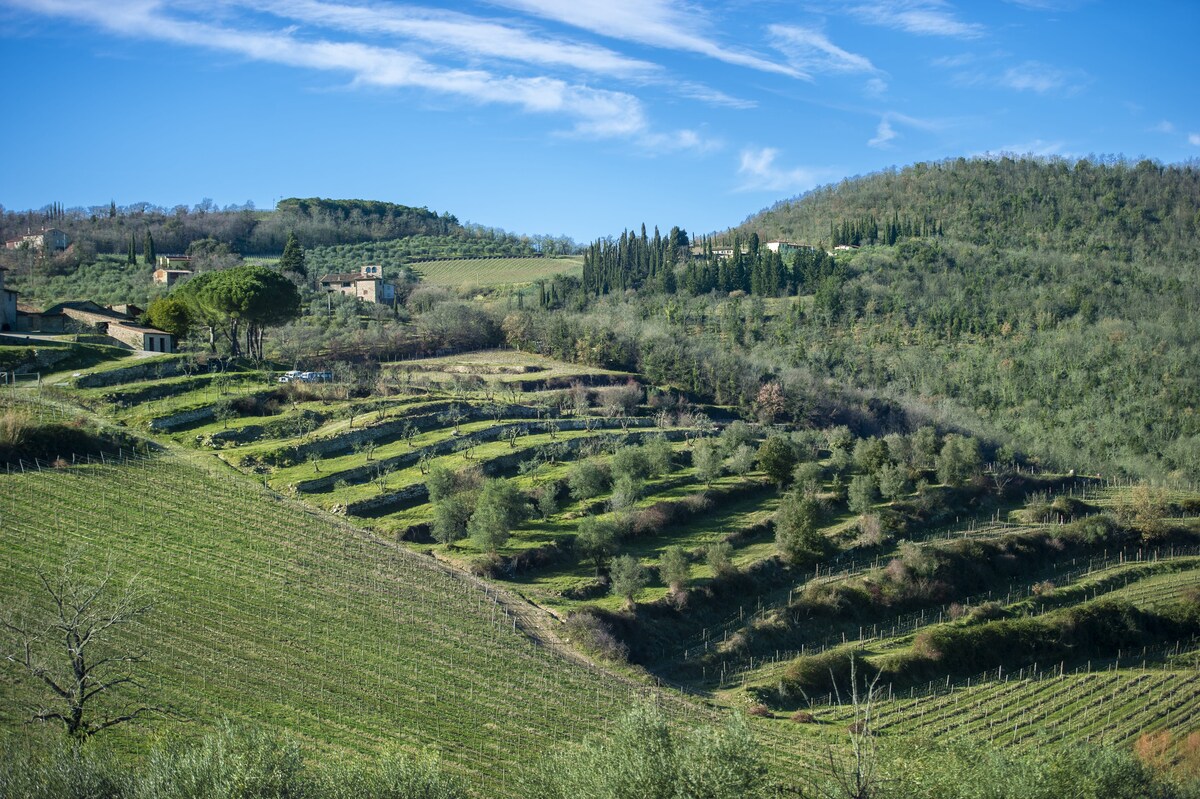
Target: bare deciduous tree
x: 64, y: 640
x: 857, y: 776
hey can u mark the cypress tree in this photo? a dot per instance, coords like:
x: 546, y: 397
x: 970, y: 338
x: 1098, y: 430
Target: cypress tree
x: 131, y: 256
x: 148, y: 248
x: 292, y: 259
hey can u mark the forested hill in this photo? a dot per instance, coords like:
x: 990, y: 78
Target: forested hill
x: 111, y: 229
x: 1127, y: 210
x: 1046, y: 305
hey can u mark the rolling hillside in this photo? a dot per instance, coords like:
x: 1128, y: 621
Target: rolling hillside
x: 353, y: 637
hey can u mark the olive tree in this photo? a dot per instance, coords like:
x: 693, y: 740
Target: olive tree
x: 629, y: 577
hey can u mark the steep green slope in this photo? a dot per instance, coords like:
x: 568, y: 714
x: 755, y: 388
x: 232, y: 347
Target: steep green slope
x: 264, y: 612
x: 1086, y: 208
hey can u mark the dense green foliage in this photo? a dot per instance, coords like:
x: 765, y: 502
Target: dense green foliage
x: 644, y: 758
x: 1089, y: 208
x: 1054, y: 313
x: 246, y: 299
x: 965, y: 772
x: 229, y: 763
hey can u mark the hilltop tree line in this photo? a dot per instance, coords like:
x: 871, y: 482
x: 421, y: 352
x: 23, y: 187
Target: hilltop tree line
x: 243, y: 228
x: 1088, y: 207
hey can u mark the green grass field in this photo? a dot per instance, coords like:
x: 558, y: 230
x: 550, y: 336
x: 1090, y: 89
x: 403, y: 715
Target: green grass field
x: 265, y: 612
x: 495, y: 271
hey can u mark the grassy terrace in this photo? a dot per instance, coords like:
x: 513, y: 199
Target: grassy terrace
x: 502, y: 370
x: 494, y: 271
x: 1149, y: 585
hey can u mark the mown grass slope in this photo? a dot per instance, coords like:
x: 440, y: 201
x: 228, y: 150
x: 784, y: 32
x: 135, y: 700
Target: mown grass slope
x: 267, y: 613
x: 494, y: 271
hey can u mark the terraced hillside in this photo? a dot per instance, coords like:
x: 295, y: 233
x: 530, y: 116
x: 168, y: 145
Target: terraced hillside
x: 757, y: 582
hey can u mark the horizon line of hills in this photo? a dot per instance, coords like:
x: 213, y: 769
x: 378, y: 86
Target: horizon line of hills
x: 968, y: 196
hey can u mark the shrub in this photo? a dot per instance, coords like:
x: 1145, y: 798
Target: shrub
x: 863, y: 494
x: 587, y: 479
x: 803, y: 717
x: 760, y: 711
x: 777, y: 459
x: 595, y: 636
x: 645, y: 757
x: 814, y: 674
x: 719, y: 557
x: 628, y: 577
x: 797, y: 528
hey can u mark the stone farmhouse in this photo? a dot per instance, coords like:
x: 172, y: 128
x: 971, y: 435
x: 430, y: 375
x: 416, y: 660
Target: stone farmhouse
x: 367, y: 285
x: 85, y: 316
x: 47, y: 239
x: 172, y: 268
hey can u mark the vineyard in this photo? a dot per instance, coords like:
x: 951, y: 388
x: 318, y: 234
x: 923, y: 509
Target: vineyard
x: 494, y: 271
x: 395, y: 254
x: 329, y: 588
x: 266, y: 612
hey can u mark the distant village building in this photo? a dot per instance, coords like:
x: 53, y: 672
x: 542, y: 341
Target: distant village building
x: 169, y: 277
x: 784, y: 247
x: 47, y: 239
x: 8, y: 306
x: 172, y: 268
x: 87, y: 316
x: 173, y: 262
x: 845, y: 248
x: 367, y: 285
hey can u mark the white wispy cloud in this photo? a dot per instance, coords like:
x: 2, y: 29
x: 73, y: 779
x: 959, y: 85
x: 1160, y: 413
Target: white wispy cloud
x: 656, y: 23
x: 1037, y: 77
x: 758, y: 171
x: 591, y: 112
x: 1048, y: 5
x: 1028, y: 76
x: 810, y: 51
x: 922, y: 17
x: 455, y: 32
x: 883, y: 134
x: 689, y: 141
x: 709, y: 95
x: 1194, y: 139
x: 954, y: 61
x: 1162, y: 127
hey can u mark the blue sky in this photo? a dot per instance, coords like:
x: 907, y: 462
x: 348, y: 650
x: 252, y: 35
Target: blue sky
x: 576, y: 117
